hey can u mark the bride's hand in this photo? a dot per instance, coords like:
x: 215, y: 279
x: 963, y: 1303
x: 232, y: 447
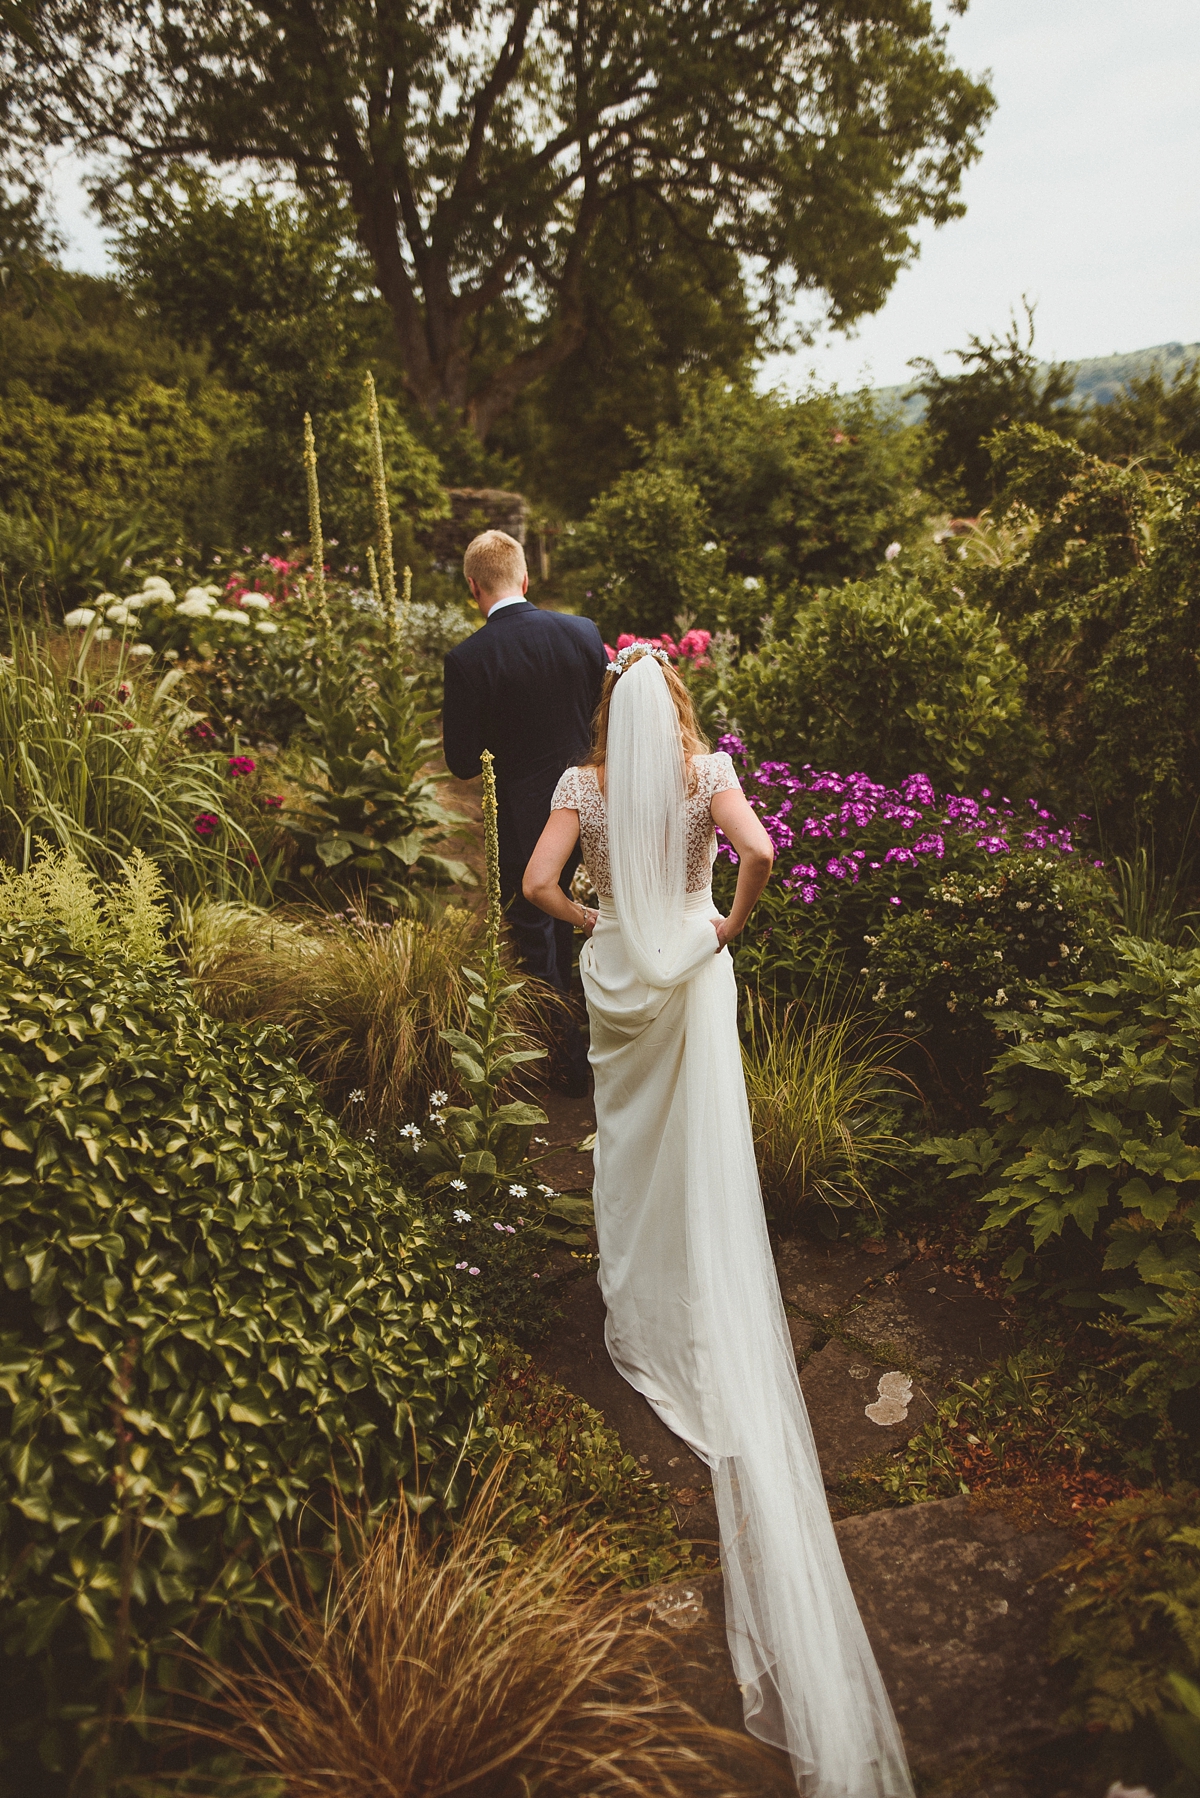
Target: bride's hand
x: 721, y: 926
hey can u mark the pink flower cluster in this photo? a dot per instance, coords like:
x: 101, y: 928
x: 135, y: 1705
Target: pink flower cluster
x: 241, y: 764
x: 849, y: 827
x: 692, y: 647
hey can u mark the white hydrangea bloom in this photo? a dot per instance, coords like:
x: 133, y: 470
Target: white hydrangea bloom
x: 258, y: 602
x: 155, y: 583
x: 228, y: 615
x: 199, y: 607
x: 79, y: 619
x: 141, y: 649
x: 103, y: 634
x: 267, y: 626
x: 117, y: 614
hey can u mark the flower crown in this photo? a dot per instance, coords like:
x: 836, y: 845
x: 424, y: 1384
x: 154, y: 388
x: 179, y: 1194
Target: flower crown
x: 623, y: 657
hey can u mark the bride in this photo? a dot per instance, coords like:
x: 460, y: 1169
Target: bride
x: 695, y: 1320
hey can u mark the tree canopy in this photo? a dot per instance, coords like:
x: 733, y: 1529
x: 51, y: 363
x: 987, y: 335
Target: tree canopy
x: 1000, y: 384
x: 481, y: 147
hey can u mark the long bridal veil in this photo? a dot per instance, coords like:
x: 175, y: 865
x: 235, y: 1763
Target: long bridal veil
x: 809, y: 1679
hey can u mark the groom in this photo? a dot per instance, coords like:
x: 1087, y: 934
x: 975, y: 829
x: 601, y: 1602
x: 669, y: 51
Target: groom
x: 525, y: 687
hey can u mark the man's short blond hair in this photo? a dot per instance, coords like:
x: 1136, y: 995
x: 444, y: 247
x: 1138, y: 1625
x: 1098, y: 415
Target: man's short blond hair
x: 496, y: 561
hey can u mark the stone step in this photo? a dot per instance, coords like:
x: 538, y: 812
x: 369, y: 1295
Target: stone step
x: 957, y: 1604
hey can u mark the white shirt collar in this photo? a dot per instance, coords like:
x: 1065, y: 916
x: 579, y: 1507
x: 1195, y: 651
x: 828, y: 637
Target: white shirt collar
x: 510, y: 599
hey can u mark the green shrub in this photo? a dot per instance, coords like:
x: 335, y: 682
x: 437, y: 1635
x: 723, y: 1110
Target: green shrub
x: 889, y: 675
x: 798, y: 491
x: 217, y: 1310
x: 1131, y: 1617
x: 1091, y: 1161
x: 647, y: 554
x: 983, y: 946
x: 156, y: 450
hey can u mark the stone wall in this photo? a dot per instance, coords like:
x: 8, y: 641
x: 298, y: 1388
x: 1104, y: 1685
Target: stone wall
x: 475, y: 509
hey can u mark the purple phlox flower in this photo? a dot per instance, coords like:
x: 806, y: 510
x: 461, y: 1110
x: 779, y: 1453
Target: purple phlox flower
x: 895, y: 899
x: 899, y: 854
x: 993, y: 845
x: 930, y: 844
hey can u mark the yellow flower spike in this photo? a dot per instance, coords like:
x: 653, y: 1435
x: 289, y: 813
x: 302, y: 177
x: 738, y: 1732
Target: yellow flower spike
x: 316, y: 540
x: 491, y: 838
x: 383, y: 517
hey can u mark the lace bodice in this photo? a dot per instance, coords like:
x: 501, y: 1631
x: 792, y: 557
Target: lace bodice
x: 579, y: 791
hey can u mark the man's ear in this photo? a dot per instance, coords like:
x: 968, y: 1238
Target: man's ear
x: 525, y: 583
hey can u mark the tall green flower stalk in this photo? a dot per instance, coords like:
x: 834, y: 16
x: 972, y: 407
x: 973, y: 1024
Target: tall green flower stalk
x: 316, y: 539
x: 491, y: 841
x: 369, y: 820
x: 383, y: 518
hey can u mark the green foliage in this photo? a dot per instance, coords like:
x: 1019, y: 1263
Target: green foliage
x: 889, y: 675
x: 159, y: 453
x: 481, y: 1148
x: 646, y: 553
x: 364, y: 1003
x: 1148, y: 418
x: 807, y: 491
x: 217, y: 1310
x: 819, y: 1080
x: 96, y: 759
x: 1101, y: 605
x: 1001, y: 384
x: 981, y: 947
x: 663, y: 303
x: 1131, y: 1617
x: 1094, y: 1152
x: 58, y: 890
x: 1030, y: 1417
x: 369, y: 820
x: 566, y: 1461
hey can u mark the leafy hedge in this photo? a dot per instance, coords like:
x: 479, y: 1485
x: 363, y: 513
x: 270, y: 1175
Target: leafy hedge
x: 216, y: 1310
x: 890, y: 674
x: 1093, y: 1162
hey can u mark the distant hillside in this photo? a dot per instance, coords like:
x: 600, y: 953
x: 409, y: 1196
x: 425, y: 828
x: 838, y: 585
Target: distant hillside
x: 1097, y: 378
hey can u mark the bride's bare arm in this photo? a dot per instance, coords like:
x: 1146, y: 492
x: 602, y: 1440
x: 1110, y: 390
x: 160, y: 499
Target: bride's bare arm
x: 540, y: 884
x: 733, y: 813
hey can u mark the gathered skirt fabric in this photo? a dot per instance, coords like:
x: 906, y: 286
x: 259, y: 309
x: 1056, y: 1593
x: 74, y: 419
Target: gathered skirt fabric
x: 695, y: 1323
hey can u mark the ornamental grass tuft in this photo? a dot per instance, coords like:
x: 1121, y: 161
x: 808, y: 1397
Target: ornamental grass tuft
x: 460, y: 1667
x: 365, y: 1003
x: 819, y: 1080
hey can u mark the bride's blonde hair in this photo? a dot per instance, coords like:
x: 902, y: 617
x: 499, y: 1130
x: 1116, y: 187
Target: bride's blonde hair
x: 689, y: 731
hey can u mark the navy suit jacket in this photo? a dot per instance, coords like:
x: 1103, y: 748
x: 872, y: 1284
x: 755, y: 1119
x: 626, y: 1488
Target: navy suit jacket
x: 526, y: 687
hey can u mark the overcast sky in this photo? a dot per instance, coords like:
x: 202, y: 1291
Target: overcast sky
x: 1086, y: 198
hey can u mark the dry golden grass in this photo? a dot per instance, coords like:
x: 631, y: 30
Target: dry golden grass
x: 364, y: 1003
x: 439, y: 1668
x: 818, y: 1079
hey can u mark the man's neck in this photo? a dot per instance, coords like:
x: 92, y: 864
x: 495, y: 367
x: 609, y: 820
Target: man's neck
x: 505, y: 599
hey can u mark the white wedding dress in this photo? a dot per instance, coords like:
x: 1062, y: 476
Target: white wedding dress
x: 695, y: 1320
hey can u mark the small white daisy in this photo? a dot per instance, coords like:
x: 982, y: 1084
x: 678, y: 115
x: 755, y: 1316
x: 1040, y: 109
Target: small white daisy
x: 461, y: 1217
x: 458, y: 1186
x: 519, y: 1192
x: 547, y: 1192
x: 412, y: 1132
x: 438, y: 1099
x: 357, y: 1096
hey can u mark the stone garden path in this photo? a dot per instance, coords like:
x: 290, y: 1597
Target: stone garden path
x: 953, y: 1595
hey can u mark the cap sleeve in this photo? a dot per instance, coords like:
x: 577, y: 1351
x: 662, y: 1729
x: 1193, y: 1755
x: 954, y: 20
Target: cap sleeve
x: 566, y: 793
x: 724, y: 776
